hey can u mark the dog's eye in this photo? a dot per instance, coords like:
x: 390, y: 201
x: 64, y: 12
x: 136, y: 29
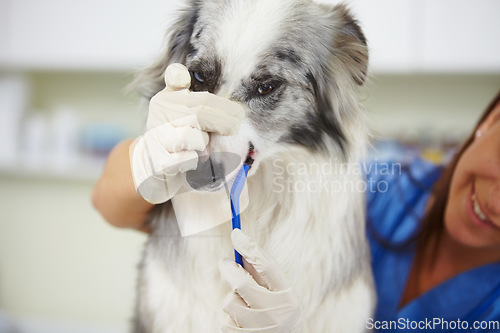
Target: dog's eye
x: 198, y: 77
x: 265, y: 89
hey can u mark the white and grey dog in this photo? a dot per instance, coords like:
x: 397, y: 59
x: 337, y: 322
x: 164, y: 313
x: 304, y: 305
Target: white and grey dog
x: 295, y: 66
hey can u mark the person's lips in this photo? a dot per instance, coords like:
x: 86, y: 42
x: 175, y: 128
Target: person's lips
x: 477, y: 212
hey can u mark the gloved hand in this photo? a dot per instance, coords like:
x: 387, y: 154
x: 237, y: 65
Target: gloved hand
x: 178, y: 125
x: 262, y: 300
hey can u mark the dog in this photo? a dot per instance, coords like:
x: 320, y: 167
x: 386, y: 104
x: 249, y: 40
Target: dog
x: 295, y: 66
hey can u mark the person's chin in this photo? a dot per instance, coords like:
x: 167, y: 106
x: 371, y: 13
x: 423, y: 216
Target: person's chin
x: 463, y: 231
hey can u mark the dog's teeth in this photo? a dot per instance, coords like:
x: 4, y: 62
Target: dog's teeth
x: 477, y: 209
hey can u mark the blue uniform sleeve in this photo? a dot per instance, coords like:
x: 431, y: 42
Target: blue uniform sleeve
x: 396, y: 197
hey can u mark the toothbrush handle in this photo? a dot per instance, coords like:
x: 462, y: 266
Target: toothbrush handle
x: 238, y: 258
x: 237, y: 225
x: 235, y: 206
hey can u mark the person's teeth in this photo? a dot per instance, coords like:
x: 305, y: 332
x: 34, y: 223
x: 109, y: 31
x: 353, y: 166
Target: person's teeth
x: 477, y: 209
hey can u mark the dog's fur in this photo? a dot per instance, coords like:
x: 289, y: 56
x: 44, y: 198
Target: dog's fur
x: 314, y: 56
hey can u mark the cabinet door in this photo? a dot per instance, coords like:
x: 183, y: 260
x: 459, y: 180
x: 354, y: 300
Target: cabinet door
x: 91, y: 34
x: 460, y: 36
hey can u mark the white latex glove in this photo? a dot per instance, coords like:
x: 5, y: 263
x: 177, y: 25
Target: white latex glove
x: 178, y: 124
x: 262, y: 300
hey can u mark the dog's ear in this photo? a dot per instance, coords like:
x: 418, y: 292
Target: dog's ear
x: 150, y: 80
x: 179, y: 40
x: 350, y: 46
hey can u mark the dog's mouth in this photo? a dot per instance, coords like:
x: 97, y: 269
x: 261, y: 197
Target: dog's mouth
x: 251, y: 155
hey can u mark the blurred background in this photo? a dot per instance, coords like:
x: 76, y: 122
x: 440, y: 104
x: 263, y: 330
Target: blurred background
x: 64, y: 67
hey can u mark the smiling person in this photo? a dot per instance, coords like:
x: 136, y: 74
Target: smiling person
x: 435, y: 239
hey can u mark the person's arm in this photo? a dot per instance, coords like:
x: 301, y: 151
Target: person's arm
x: 114, y: 194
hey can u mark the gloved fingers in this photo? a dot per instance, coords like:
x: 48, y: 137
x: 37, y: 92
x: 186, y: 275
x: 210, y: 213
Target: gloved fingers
x: 242, y: 283
x: 154, y: 188
x: 253, y: 308
x: 176, y: 139
x: 211, y: 118
x: 243, y: 316
x: 177, y: 77
x: 192, y: 99
x: 202, y: 117
x: 232, y: 305
x: 215, y: 121
x: 253, y: 272
x: 229, y: 326
x: 158, y: 189
x: 190, y: 120
x: 265, y: 267
x: 218, y: 114
x: 179, y: 162
x: 149, y: 158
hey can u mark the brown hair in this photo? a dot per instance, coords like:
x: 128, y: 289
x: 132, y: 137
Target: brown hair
x: 433, y: 221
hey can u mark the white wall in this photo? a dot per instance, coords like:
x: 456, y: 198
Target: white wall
x: 59, y: 261
x: 442, y: 104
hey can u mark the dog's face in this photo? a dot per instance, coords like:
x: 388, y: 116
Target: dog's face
x: 293, y: 64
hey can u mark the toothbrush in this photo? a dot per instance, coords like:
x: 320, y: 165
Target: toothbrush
x: 236, y: 189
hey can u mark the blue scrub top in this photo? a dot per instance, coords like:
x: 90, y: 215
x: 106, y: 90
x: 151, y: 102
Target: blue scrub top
x: 396, y: 204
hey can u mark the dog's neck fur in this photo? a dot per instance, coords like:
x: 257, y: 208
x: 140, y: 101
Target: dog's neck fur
x: 185, y: 269
x: 329, y: 216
